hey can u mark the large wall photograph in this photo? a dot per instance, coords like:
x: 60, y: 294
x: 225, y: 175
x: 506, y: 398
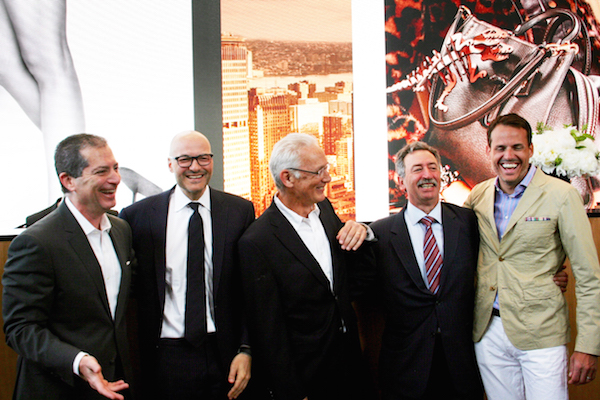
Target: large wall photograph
x: 449, y: 70
x: 118, y: 69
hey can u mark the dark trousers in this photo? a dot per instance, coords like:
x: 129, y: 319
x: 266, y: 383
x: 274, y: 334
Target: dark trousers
x: 343, y: 375
x: 439, y: 385
x: 186, y: 372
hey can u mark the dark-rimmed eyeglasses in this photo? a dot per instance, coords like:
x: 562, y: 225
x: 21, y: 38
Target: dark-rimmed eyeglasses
x: 186, y: 161
x: 319, y: 173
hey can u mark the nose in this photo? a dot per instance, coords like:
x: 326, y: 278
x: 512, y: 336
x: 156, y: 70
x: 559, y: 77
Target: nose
x: 197, y: 162
x: 427, y: 173
x: 326, y: 176
x: 115, y: 177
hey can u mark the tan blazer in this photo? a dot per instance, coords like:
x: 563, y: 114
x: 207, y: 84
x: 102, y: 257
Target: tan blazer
x: 548, y: 224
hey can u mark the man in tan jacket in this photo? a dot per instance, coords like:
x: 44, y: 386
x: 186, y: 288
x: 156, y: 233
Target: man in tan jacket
x: 529, y: 223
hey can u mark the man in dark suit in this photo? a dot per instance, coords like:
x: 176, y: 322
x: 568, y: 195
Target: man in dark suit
x: 66, y: 284
x: 427, y: 349
x: 295, y: 278
x: 175, y: 365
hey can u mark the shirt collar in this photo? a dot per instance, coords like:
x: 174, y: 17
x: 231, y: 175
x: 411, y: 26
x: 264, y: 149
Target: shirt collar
x: 522, y: 185
x: 86, y: 225
x: 180, y: 200
x: 292, y: 216
x: 414, y: 214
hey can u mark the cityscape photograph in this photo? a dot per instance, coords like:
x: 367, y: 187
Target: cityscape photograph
x: 292, y: 82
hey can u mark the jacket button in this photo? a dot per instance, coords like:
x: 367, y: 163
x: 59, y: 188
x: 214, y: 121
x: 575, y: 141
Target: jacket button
x: 492, y: 288
x: 500, y: 258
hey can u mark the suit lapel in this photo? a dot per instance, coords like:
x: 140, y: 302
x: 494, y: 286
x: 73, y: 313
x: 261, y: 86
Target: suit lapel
x: 330, y: 224
x: 487, y: 205
x: 288, y: 236
x: 81, y: 246
x: 451, y: 228
x: 120, y: 244
x: 219, y: 233
x: 158, y: 227
x: 402, y: 245
x: 529, y: 198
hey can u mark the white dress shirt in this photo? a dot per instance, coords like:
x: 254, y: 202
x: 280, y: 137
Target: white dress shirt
x: 312, y: 233
x: 416, y: 231
x: 106, y: 255
x: 178, y: 219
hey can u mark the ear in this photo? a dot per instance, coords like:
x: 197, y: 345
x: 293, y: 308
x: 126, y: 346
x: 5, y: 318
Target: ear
x: 399, y: 182
x: 67, y: 181
x: 287, y: 178
x: 171, y: 164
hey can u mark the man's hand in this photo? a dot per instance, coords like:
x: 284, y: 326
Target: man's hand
x: 582, y: 368
x: 91, y: 372
x: 561, y: 279
x: 239, y: 374
x: 352, y: 235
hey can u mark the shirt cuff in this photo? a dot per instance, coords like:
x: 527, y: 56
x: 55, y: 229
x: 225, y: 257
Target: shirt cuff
x: 370, y: 234
x: 77, y: 360
x: 245, y: 349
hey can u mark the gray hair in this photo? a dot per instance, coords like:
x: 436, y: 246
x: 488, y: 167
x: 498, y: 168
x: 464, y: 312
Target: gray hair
x: 411, y: 148
x: 286, y: 154
x: 68, y: 157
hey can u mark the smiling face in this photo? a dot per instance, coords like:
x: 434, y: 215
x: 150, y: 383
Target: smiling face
x: 422, y: 179
x: 93, y: 193
x: 509, y: 153
x: 193, y: 179
x: 301, y: 193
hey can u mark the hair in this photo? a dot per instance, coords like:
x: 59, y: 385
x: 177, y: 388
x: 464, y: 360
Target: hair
x: 514, y: 120
x: 286, y: 154
x: 68, y: 157
x: 411, y: 148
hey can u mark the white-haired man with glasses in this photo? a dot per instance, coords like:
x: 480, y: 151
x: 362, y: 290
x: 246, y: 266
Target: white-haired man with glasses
x: 193, y: 343
x: 296, y: 282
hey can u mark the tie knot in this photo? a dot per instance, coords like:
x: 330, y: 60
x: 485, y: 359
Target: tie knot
x: 427, y: 221
x: 194, y: 206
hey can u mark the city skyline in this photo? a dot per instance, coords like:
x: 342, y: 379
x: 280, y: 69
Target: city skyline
x: 254, y: 119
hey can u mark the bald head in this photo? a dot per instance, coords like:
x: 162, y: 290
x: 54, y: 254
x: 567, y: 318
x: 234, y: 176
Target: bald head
x: 192, y: 178
x: 185, y: 137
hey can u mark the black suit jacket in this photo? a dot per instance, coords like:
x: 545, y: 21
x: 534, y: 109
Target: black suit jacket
x: 295, y: 319
x: 55, y: 305
x: 231, y: 215
x: 414, y: 313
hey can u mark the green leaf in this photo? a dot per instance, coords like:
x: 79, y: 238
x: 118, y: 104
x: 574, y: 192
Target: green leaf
x: 541, y: 127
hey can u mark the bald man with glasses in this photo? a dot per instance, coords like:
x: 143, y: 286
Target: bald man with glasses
x: 193, y: 343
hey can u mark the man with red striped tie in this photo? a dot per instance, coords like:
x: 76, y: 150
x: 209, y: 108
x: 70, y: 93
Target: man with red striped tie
x: 426, y: 257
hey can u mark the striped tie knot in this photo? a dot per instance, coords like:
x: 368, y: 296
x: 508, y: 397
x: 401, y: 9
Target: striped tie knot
x: 427, y: 221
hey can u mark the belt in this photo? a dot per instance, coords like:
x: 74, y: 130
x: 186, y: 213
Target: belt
x: 496, y: 312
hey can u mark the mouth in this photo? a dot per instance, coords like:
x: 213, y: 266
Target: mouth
x: 108, y: 192
x: 427, y: 184
x: 196, y: 176
x: 509, y: 166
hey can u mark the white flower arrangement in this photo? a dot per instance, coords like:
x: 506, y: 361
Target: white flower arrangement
x: 565, y: 152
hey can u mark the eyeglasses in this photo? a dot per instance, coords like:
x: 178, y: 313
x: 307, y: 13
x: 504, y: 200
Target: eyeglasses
x: 319, y: 173
x: 187, y: 161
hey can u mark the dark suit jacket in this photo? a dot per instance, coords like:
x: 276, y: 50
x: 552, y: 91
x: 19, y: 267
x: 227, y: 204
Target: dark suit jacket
x: 231, y: 215
x: 414, y: 313
x: 55, y: 305
x: 294, y: 317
